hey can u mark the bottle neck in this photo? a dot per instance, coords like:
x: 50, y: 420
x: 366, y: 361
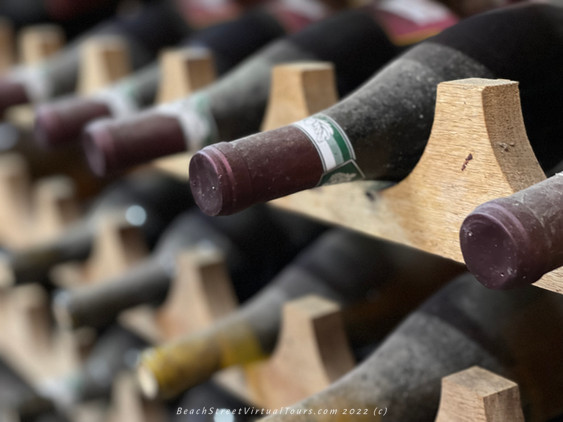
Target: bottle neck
x: 237, y: 101
x: 99, y: 305
x: 33, y: 264
x: 140, y: 88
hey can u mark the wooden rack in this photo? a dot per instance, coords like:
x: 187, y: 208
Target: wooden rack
x: 33, y: 45
x: 39, y: 209
x: 104, y: 60
x: 38, y: 42
x: 478, y: 150
x: 202, y: 294
x: 117, y: 246
x: 184, y: 71
x: 7, y: 50
x: 313, y: 344
x: 201, y: 287
x: 478, y: 395
x: 36, y: 211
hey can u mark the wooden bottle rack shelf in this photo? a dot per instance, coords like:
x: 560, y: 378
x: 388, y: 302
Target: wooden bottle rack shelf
x: 478, y: 150
x: 117, y: 246
x: 478, y: 395
x: 104, y: 60
x: 38, y: 42
x: 36, y: 211
x: 312, y: 338
x: 313, y: 344
x: 7, y: 50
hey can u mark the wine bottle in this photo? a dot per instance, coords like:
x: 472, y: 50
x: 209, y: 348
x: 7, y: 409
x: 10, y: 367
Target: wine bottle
x: 69, y: 160
x: 57, y: 75
x: 461, y: 326
x: 234, y: 105
x: 513, y: 241
x: 253, y: 243
x: 380, y: 131
x: 116, y: 349
x: 150, y: 199
x: 18, y: 396
x: 342, y: 266
x: 62, y: 121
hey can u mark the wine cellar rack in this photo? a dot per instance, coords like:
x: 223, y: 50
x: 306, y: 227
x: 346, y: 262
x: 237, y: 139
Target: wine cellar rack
x: 478, y: 150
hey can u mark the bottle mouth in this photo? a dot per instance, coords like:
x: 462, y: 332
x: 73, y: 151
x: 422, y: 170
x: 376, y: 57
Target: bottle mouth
x: 498, y: 250
x: 219, y: 180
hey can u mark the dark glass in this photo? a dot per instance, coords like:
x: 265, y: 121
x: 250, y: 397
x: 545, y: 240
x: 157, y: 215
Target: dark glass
x: 19, y: 397
x: 58, y: 75
x: 234, y: 106
x: 342, y: 266
x: 61, y: 121
x: 115, y: 350
x: 380, y: 131
x: 256, y: 244
x: 150, y: 199
x: 463, y: 325
x: 513, y: 241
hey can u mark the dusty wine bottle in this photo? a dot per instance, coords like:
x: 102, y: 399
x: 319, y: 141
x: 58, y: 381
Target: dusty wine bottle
x: 513, y: 241
x: 343, y: 266
x: 380, y: 131
x: 254, y: 245
x: 62, y: 121
x: 19, y: 397
x: 234, y: 105
x: 150, y: 200
x: 116, y: 349
x: 463, y: 325
x: 57, y: 75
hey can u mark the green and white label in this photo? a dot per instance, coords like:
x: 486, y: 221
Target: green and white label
x: 194, y: 115
x: 335, y: 150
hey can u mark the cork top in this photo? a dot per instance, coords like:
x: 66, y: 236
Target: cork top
x: 498, y: 249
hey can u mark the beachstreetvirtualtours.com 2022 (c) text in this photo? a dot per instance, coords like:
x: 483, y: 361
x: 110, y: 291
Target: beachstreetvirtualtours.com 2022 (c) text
x: 253, y: 411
